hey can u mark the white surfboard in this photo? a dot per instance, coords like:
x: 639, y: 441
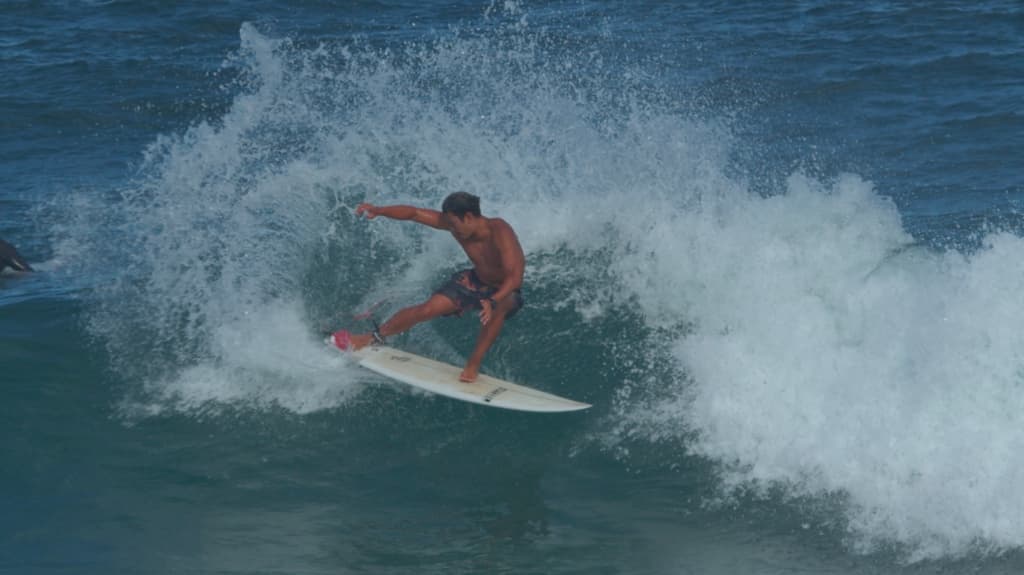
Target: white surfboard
x: 443, y: 379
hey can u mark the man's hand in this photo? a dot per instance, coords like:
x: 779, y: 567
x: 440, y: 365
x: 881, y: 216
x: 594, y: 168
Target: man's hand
x: 486, y: 310
x: 370, y: 210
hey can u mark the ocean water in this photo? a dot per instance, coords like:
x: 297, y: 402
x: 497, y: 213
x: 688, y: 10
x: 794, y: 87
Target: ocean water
x: 778, y: 246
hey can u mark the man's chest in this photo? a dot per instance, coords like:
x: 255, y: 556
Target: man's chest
x: 482, y: 253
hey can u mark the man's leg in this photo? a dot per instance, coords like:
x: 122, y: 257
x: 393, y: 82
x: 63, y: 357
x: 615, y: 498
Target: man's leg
x: 438, y: 305
x: 488, y: 334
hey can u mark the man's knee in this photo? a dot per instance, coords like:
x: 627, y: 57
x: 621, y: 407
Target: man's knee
x: 436, y: 306
x: 510, y: 306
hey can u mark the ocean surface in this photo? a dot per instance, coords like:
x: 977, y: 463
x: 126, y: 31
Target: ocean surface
x: 778, y: 246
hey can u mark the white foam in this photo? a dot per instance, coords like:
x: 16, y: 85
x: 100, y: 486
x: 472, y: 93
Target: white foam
x: 266, y: 359
x: 829, y: 355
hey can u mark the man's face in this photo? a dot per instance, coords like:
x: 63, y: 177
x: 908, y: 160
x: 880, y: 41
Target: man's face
x: 460, y: 228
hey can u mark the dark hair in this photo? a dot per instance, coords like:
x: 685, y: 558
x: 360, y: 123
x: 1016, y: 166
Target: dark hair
x: 461, y: 203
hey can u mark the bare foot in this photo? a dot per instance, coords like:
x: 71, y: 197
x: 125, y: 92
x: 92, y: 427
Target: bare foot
x: 469, y: 374
x: 361, y: 340
x: 346, y: 341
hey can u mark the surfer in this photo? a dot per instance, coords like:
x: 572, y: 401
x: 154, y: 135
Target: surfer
x: 9, y: 257
x: 492, y: 285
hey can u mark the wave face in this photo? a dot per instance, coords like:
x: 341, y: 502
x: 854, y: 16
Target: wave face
x: 797, y: 337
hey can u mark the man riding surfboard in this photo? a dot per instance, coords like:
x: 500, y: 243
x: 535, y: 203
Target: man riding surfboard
x: 492, y: 285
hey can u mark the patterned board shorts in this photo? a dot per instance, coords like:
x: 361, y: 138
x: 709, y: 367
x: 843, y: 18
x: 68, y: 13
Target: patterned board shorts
x: 466, y: 290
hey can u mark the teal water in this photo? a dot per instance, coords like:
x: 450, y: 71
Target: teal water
x: 777, y: 248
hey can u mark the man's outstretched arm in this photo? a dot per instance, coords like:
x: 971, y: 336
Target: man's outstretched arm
x: 423, y: 216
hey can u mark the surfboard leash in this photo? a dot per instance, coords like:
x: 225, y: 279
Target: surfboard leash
x: 378, y: 339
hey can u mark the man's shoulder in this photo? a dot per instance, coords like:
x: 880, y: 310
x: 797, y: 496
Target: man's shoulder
x: 502, y: 233
x: 498, y: 224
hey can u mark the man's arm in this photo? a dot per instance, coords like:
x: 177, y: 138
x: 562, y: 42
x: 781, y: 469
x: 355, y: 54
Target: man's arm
x: 514, y: 263
x: 423, y: 216
x: 512, y: 259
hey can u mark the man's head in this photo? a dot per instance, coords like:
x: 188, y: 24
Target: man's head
x: 461, y: 213
x: 461, y: 203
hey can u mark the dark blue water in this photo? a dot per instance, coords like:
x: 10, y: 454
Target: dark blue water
x: 778, y: 248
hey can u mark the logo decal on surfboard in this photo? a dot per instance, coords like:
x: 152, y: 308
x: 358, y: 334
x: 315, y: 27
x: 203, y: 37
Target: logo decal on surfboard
x: 494, y: 393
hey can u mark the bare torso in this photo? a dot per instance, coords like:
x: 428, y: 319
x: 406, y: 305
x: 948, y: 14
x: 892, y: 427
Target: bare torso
x: 484, y: 253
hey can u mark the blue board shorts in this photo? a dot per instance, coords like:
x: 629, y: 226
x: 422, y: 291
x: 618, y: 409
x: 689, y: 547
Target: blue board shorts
x: 466, y: 290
